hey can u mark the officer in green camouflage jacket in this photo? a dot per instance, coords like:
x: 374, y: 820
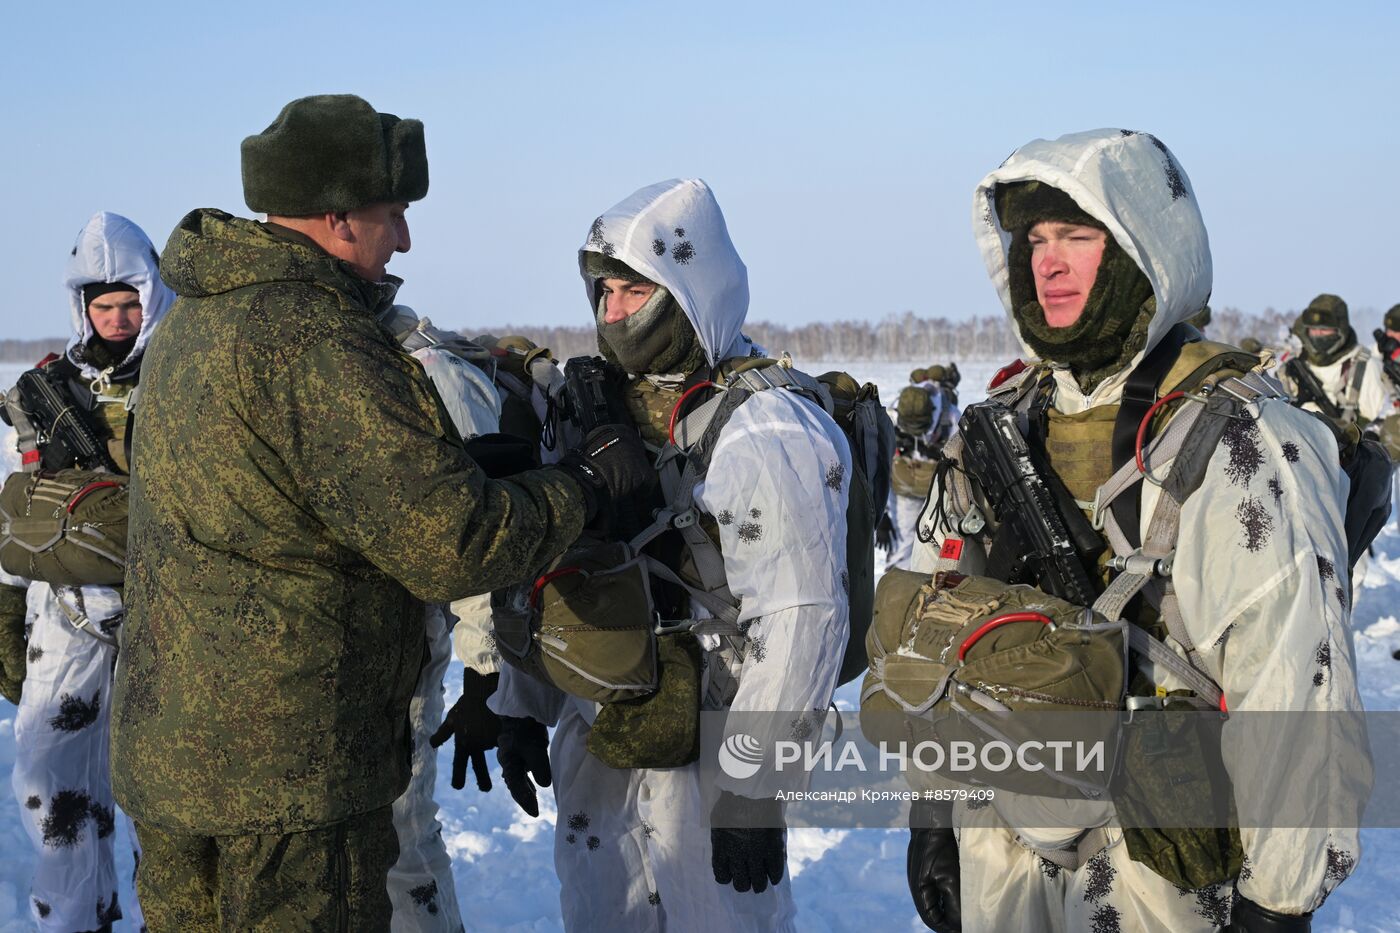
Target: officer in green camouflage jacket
x: 298, y: 490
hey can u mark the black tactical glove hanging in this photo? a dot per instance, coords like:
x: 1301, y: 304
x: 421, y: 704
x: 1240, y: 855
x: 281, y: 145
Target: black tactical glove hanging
x: 472, y: 727
x: 932, y: 865
x: 612, y: 466
x: 1248, y: 917
x: 886, y: 537
x: 748, y: 842
x: 523, y: 751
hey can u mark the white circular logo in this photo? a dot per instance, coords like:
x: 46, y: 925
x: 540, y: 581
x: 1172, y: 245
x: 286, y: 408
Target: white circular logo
x: 740, y: 756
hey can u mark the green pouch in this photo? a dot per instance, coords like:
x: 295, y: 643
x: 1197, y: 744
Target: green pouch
x: 66, y: 528
x: 1172, y: 765
x: 912, y: 478
x: 662, y: 729
x: 584, y: 625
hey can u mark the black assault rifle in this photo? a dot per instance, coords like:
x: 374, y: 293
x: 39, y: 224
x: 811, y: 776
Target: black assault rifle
x: 62, y: 430
x: 1033, y: 539
x: 592, y: 397
x: 1390, y: 355
x: 1308, y: 389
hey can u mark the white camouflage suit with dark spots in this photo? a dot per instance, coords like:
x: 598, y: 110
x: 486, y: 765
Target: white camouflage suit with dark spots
x: 1260, y: 573
x: 61, y: 777
x: 632, y: 847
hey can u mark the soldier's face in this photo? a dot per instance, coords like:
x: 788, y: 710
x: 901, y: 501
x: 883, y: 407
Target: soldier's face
x: 377, y: 232
x: 625, y: 298
x: 1065, y: 261
x: 116, y: 316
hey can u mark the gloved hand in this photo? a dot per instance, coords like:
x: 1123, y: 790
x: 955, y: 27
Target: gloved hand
x: 1248, y: 917
x: 472, y: 727
x: 14, y: 661
x: 934, y: 872
x: 748, y: 842
x: 523, y: 751
x: 612, y: 466
x: 886, y: 537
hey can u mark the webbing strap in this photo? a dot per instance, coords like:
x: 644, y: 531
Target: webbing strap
x: 1351, y: 401
x: 1089, y: 844
x: 1139, y: 393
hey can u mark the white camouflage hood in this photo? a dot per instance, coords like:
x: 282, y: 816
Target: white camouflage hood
x: 111, y: 248
x: 673, y: 233
x: 1129, y: 182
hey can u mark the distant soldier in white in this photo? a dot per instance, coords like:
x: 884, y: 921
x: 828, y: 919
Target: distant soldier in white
x: 61, y: 633
x: 1388, y: 346
x: 1099, y: 252
x: 1335, y: 374
x: 925, y: 417
x: 642, y: 842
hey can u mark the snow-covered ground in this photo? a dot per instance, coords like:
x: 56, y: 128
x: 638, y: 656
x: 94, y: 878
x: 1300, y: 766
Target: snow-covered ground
x: 843, y: 880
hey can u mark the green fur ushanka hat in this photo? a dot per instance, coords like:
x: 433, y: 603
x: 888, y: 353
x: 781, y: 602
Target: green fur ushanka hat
x: 333, y: 152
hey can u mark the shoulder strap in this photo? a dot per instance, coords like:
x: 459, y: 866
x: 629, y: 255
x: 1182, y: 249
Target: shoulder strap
x: 1139, y: 393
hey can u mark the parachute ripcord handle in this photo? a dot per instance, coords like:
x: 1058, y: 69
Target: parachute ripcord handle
x: 676, y: 409
x: 545, y: 579
x: 89, y: 488
x: 1142, y: 430
x: 997, y: 623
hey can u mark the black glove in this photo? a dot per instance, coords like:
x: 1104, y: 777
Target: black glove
x: 14, y: 661
x: 501, y: 455
x: 612, y: 466
x: 749, y: 842
x: 886, y: 537
x: 934, y: 874
x: 524, y: 753
x: 1248, y: 917
x: 472, y: 727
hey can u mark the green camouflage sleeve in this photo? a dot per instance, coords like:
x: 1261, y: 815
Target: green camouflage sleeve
x: 13, y: 662
x: 357, y: 427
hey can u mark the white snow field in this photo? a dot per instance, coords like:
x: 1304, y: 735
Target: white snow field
x: 843, y: 880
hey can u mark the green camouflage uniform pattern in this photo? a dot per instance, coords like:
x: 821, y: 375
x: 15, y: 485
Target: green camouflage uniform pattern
x: 13, y: 661
x: 298, y: 491
x: 328, y: 879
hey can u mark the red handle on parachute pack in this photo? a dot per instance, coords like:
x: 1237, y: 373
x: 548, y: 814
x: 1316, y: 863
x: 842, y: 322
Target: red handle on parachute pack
x: 546, y: 579
x: 997, y: 623
x: 1146, y: 419
x: 83, y: 493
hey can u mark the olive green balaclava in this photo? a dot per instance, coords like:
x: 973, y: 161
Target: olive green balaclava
x: 1325, y: 311
x: 658, y: 339
x: 1392, y: 318
x: 1113, y: 326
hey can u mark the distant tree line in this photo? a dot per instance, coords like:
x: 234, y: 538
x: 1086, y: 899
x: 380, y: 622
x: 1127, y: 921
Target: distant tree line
x: 895, y: 337
x: 30, y: 351
x: 905, y: 336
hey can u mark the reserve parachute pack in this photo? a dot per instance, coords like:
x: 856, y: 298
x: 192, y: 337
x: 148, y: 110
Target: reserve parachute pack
x: 589, y: 624
x: 63, y: 515
x: 1047, y: 634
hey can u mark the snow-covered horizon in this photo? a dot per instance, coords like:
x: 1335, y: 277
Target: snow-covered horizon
x: 843, y: 880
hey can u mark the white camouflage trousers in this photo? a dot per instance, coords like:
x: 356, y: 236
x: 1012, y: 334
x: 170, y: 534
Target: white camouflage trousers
x: 421, y: 888
x: 1007, y: 888
x: 632, y: 849
x: 62, y: 776
x: 906, y: 525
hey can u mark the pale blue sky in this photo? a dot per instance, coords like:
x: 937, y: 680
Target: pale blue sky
x: 842, y: 140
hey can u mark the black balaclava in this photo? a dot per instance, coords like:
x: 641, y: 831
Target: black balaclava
x: 1325, y: 311
x: 657, y: 340
x: 98, y: 351
x: 1113, y: 326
